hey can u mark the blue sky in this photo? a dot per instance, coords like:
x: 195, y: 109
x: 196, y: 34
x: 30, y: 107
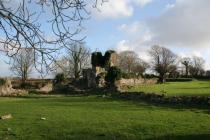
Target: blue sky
x: 180, y: 25
x: 103, y: 31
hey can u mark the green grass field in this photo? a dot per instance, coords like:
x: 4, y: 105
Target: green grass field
x: 196, y: 87
x: 96, y: 118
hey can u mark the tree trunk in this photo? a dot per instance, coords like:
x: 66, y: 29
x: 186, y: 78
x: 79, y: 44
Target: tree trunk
x: 187, y: 70
x: 76, y: 72
x: 162, y: 79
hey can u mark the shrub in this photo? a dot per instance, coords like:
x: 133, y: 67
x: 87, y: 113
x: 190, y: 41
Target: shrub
x: 126, y: 75
x: 59, y: 78
x: 2, y: 82
x: 184, y: 76
x: 150, y: 76
x: 113, y: 74
x: 97, y: 59
x: 179, y: 79
x: 26, y: 85
x: 202, y: 77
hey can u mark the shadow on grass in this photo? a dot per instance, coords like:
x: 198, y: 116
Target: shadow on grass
x: 61, y: 100
x: 179, y: 107
x: 78, y: 97
x: 204, y: 80
x: 194, y: 88
x: 184, y: 137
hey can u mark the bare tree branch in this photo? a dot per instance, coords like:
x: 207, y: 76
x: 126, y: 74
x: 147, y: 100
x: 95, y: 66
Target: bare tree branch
x: 162, y: 60
x: 20, y: 26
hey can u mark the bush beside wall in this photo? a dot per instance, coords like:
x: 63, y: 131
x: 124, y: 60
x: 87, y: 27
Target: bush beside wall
x: 2, y: 82
x: 163, y: 99
x: 179, y: 79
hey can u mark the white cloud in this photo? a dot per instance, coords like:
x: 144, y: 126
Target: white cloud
x: 139, y: 45
x: 208, y: 49
x: 190, y: 54
x: 123, y: 45
x: 186, y: 23
x: 168, y: 6
x: 138, y: 30
x: 131, y: 28
x: 183, y: 24
x: 139, y: 39
x: 118, y: 8
x: 142, y: 3
x: 115, y: 9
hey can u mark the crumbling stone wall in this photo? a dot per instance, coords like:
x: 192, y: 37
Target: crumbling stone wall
x: 94, y: 77
x: 137, y: 81
x: 114, y: 58
x: 7, y: 90
x: 89, y: 77
x: 164, y: 99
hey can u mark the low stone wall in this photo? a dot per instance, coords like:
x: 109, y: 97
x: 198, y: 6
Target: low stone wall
x: 89, y: 77
x: 30, y: 83
x: 136, y: 82
x: 7, y: 90
x: 46, y: 88
x: 163, y: 99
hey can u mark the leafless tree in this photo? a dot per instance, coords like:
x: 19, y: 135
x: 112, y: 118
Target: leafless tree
x: 77, y: 58
x: 127, y: 60
x: 22, y: 63
x: 197, y: 66
x: 162, y: 58
x: 173, y: 71
x: 186, y: 61
x: 62, y: 66
x: 208, y: 73
x: 140, y: 67
x: 130, y: 62
x: 22, y: 23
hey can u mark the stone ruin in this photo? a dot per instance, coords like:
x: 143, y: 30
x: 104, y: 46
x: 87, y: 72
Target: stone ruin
x: 7, y: 90
x: 95, y: 76
x: 46, y: 88
x: 89, y: 77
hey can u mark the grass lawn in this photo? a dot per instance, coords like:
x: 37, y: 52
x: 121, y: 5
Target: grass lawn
x: 95, y: 118
x: 196, y: 87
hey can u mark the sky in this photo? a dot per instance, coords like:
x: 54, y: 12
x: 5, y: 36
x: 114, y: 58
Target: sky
x: 180, y: 25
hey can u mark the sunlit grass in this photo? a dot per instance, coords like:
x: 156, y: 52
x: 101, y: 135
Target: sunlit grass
x: 196, y: 87
x: 96, y: 118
